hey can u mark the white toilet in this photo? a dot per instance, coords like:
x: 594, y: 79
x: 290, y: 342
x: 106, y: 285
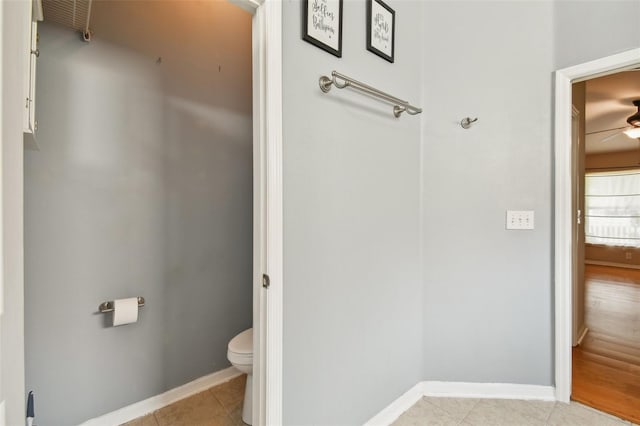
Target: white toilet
x: 240, y: 355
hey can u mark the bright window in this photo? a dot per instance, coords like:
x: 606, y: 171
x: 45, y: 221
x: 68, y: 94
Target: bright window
x: 612, y: 208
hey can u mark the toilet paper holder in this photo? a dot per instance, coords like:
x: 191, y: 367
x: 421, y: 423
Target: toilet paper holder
x: 108, y: 306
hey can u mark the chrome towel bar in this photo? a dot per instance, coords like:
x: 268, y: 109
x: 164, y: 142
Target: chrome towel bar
x: 341, y: 81
x: 108, y: 306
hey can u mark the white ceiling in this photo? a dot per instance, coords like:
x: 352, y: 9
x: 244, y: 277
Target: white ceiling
x: 608, y: 104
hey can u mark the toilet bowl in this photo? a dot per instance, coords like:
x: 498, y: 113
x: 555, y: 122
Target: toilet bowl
x: 240, y: 355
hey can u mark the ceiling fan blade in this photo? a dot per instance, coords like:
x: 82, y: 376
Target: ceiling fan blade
x: 608, y: 138
x: 607, y: 130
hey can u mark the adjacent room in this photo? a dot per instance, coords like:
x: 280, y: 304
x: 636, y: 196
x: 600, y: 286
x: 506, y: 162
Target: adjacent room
x: 138, y: 189
x: 606, y: 350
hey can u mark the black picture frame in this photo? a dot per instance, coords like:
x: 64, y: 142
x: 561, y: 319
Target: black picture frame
x: 319, y: 10
x: 374, y: 44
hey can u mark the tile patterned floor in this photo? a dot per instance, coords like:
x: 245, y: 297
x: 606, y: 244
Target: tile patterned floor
x: 219, y: 406
x: 222, y: 406
x: 502, y: 412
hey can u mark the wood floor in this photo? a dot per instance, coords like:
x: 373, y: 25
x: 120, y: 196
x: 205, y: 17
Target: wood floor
x: 606, y: 366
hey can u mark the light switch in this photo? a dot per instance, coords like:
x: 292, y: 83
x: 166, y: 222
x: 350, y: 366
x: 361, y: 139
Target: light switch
x: 520, y: 219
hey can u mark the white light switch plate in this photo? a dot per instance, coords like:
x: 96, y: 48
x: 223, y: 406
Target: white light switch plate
x: 520, y: 219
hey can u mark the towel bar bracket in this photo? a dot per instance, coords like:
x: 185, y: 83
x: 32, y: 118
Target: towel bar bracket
x: 325, y: 83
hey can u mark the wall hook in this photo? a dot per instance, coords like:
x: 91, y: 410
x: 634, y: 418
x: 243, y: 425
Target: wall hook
x: 467, y: 122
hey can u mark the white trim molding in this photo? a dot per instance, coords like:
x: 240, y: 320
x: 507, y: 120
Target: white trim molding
x: 489, y: 390
x: 267, y: 214
x: 274, y: 212
x: 259, y: 218
x: 397, y: 407
x: 149, y: 405
x: 563, y: 211
x: 249, y: 5
x: 612, y: 264
x: 459, y: 390
x: 583, y: 333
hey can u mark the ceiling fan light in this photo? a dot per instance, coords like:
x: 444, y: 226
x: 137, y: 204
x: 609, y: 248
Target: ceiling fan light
x: 633, y: 133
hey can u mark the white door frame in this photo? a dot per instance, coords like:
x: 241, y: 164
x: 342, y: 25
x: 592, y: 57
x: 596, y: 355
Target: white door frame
x: 267, y: 116
x: 3, y: 416
x: 15, y: 23
x: 564, y: 215
x: 267, y: 210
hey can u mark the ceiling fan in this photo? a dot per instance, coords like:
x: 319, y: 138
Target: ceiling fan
x: 633, y: 129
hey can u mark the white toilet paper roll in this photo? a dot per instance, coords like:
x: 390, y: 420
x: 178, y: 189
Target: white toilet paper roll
x: 125, y: 311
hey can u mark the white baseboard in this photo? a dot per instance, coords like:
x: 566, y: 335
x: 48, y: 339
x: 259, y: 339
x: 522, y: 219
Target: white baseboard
x: 149, y: 405
x: 397, y: 407
x: 582, y: 335
x: 614, y: 264
x: 460, y: 390
x: 489, y: 390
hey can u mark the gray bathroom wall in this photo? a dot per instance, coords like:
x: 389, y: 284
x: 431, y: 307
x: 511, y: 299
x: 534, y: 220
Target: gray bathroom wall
x: 142, y: 187
x: 585, y: 30
x: 352, y: 289
x: 488, y: 298
x: 488, y: 295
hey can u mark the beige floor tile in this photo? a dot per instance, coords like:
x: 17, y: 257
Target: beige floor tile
x: 236, y: 416
x: 457, y: 408
x: 148, y: 420
x: 199, y: 410
x: 218, y: 406
x: 222, y: 421
x: 507, y: 412
x: 575, y: 414
x: 424, y: 413
x: 235, y: 412
x: 231, y: 392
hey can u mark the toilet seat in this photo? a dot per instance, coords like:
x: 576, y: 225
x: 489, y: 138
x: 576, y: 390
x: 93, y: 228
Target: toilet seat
x: 239, y: 359
x: 242, y: 343
x: 240, y: 348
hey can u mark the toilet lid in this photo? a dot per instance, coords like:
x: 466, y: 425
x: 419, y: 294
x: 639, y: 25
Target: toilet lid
x: 242, y: 343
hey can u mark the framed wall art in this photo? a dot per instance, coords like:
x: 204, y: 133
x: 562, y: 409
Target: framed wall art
x: 322, y: 24
x: 381, y: 23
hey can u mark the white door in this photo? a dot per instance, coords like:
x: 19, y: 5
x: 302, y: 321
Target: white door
x: 577, y: 299
x: 2, y: 385
x: 15, y: 28
x: 267, y: 169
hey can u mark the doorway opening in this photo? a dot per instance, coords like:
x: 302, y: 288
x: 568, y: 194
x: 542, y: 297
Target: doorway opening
x: 566, y: 218
x: 606, y: 290
x: 138, y: 198
x: 266, y: 108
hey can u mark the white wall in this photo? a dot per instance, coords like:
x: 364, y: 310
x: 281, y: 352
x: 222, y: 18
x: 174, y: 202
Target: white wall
x: 142, y: 187
x: 488, y: 292
x: 487, y: 295
x: 352, y: 287
x: 487, y: 298
x: 585, y: 30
